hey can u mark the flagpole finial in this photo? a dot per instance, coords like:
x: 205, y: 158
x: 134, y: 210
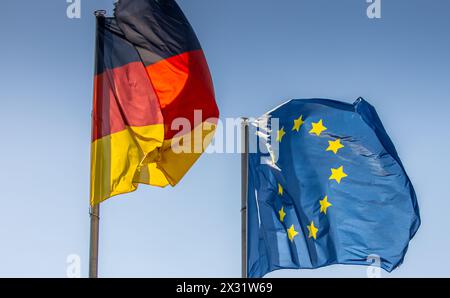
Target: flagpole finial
x: 100, y: 13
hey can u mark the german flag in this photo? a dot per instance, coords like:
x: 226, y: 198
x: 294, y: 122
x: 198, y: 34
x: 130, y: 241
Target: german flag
x: 154, y: 110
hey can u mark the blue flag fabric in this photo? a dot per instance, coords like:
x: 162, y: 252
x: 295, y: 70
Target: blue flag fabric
x: 330, y: 189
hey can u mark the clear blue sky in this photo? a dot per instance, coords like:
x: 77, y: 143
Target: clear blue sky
x: 261, y: 53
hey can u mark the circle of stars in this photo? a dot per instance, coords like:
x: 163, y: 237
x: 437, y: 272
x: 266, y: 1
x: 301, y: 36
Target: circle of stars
x: 337, y: 174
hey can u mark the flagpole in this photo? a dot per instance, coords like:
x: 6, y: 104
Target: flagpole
x: 93, y: 255
x: 94, y: 212
x: 244, y: 183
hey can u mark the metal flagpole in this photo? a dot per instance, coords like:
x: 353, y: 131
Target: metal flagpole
x: 244, y: 180
x: 93, y: 254
x: 95, y: 210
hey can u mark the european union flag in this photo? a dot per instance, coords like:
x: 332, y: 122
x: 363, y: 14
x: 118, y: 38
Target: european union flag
x: 329, y: 189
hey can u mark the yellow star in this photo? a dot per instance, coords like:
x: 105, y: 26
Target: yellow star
x: 317, y: 128
x: 280, y: 135
x: 313, y: 231
x: 298, y: 123
x: 282, y: 214
x: 335, y: 146
x: 324, y: 205
x: 280, y: 189
x: 292, y: 233
x: 338, y: 174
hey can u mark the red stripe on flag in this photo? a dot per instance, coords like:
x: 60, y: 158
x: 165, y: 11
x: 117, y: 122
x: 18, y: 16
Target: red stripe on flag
x: 123, y: 97
x: 183, y: 84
